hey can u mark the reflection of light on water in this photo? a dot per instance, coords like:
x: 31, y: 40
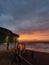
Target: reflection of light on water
x: 41, y: 47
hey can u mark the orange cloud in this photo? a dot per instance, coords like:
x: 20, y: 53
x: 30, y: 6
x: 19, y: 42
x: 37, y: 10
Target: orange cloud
x: 36, y: 36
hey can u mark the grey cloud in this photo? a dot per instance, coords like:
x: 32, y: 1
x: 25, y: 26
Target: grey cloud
x: 24, y: 15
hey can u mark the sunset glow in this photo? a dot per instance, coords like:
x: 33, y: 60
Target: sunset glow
x: 34, y: 37
x: 28, y: 18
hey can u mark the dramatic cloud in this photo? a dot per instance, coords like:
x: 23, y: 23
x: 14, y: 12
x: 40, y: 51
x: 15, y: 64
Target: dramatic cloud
x: 24, y: 16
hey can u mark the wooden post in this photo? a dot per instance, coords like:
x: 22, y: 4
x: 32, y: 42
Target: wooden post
x: 8, y: 43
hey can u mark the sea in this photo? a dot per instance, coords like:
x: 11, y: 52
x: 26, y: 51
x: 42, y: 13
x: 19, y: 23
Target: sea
x: 39, y: 47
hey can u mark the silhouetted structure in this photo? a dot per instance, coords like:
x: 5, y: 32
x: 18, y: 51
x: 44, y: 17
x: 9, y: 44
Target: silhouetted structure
x: 7, y: 36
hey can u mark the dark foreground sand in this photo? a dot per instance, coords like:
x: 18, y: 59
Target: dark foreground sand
x: 37, y: 59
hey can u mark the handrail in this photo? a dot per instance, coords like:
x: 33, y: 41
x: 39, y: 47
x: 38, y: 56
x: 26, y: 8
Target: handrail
x: 25, y: 60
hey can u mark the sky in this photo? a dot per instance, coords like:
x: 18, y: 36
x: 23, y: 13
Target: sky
x: 28, y: 18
